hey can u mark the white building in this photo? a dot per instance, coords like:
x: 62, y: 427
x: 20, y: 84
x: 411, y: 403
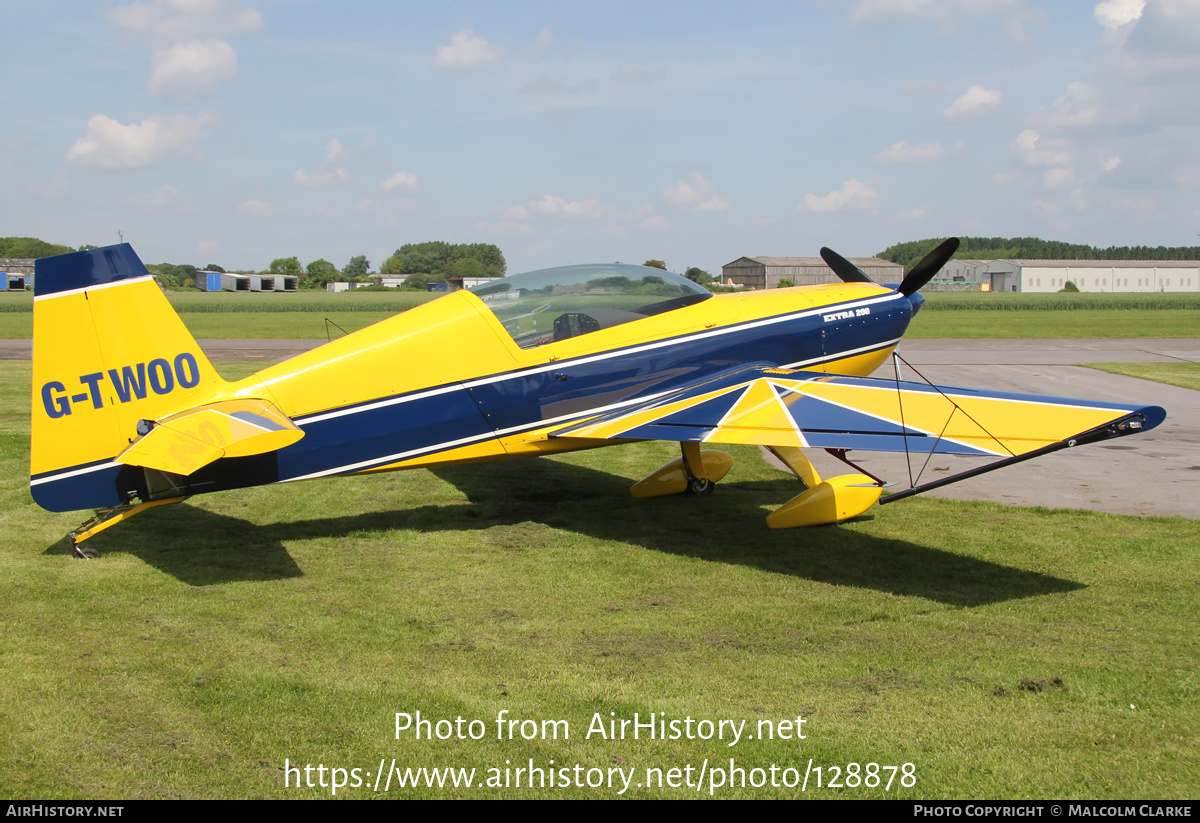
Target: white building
x: 1090, y: 275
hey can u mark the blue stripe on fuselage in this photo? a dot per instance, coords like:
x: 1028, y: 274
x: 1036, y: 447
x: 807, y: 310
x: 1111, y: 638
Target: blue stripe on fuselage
x: 358, y: 437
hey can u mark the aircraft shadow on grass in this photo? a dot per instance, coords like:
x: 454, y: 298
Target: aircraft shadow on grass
x: 203, y: 548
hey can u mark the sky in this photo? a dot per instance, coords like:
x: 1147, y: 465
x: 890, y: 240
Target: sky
x: 217, y: 131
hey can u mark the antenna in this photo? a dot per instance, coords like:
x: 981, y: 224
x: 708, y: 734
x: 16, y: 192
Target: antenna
x: 121, y: 235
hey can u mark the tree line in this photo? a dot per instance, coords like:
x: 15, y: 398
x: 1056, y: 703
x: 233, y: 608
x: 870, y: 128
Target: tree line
x: 30, y: 248
x: 1033, y: 248
x: 430, y: 262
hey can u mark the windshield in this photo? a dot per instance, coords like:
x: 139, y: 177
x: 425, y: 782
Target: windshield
x: 555, y: 304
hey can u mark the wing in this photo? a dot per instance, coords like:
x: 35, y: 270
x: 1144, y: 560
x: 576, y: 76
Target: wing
x: 781, y: 407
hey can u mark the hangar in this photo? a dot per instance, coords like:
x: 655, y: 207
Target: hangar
x: 17, y: 273
x: 1089, y: 275
x: 766, y: 272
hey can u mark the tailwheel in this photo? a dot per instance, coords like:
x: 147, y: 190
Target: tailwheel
x: 109, y: 517
x: 80, y: 552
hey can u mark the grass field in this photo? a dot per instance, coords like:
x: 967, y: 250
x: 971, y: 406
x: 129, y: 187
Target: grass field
x: 946, y: 315
x: 1184, y: 375
x: 1002, y: 652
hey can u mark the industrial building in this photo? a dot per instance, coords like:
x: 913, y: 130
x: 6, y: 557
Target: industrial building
x: 16, y: 273
x: 1089, y: 275
x: 227, y: 281
x: 766, y: 272
x: 981, y: 275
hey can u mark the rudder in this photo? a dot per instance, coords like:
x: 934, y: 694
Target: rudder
x: 108, y: 352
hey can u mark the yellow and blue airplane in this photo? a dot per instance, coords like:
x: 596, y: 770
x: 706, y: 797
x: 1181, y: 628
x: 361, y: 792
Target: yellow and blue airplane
x: 128, y: 413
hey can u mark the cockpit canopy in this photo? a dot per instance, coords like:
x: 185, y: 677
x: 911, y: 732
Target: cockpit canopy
x: 556, y: 304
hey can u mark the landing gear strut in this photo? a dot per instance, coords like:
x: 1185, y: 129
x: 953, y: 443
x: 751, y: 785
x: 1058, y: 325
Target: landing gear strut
x: 105, y: 518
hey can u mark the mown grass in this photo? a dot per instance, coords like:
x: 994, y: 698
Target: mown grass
x: 1078, y: 324
x: 1184, y: 375
x: 945, y: 315
x: 1060, y: 301
x: 959, y: 324
x: 1004, y: 652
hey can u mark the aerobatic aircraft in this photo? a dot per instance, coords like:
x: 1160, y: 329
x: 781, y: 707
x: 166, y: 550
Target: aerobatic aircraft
x: 128, y: 413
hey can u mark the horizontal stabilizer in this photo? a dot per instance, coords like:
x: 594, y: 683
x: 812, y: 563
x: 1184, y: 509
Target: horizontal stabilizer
x: 799, y: 409
x: 186, y: 442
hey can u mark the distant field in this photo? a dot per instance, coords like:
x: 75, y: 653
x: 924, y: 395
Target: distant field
x: 1077, y: 323
x: 1018, y: 653
x: 1058, y: 301
x: 1184, y: 375
x: 945, y: 315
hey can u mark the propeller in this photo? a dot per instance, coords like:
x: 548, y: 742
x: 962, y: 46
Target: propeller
x: 920, y: 274
x: 843, y: 268
x: 930, y: 265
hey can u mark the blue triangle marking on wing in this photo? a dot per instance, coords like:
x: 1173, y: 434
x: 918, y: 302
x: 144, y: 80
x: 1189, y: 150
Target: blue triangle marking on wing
x: 814, y: 414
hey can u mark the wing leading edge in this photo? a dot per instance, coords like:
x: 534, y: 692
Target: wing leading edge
x: 767, y: 406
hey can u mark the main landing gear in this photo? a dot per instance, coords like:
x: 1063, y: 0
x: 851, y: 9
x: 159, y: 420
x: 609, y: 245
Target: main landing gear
x: 695, y: 472
x: 822, y: 502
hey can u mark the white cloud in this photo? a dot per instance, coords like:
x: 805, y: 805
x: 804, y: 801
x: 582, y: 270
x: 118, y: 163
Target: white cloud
x: 193, y: 69
x: 178, y: 19
x: 255, y: 207
x: 401, y: 178
x: 466, y: 51
x: 1003, y: 178
x: 1053, y: 178
x: 1032, y: 150
x: 165, y: 195
x: 976, y: 105
x: 696, y: 193
x: 1079, y: 106
x: 326, y: 173
x: 1169, y: 32
x: 208, y: 245
x: 320, y: 176
x: 1116, y: 13
x: 111, y: 145
x: 902, y: 152
x: 516, y: 213
x: 549, y: 204
x: 1111, y: 163
x: 852, y: 195
x: 913, y: 214
x: 542, y: 41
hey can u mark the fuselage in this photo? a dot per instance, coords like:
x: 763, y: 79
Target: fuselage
x: 446, y: 382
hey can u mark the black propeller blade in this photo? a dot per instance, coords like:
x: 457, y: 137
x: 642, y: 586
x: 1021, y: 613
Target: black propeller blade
x: 843, y: 268
x: 924, y: 271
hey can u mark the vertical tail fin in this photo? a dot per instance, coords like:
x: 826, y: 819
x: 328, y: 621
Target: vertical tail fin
x: 108, y: 352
